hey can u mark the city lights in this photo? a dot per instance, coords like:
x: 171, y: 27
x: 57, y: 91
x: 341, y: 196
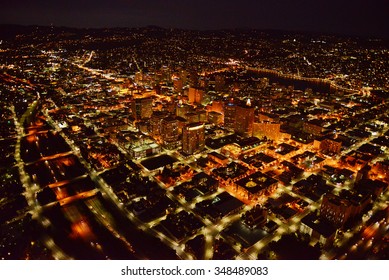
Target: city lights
x: 152, y: 143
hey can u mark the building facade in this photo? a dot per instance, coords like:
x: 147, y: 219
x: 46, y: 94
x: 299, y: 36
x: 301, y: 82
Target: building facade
x: 244, y: 120
x: 193, y: 138
x: 142, y: 108
x: 195, y: 95
x: 169, y: 132
x: 230, y: 115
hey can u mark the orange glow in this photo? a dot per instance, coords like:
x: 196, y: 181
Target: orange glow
x: 61, y: 194
x: 31, y: 138
x: 82, y: 230
x: 369, y: 232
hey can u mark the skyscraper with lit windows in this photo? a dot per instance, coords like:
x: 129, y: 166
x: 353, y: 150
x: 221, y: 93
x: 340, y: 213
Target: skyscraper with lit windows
x: 195, y: 95
x: 142, y: 108
x: 169, y: 132
x: 193, y: 138
x: 230, y: 114
x: 244, y: 120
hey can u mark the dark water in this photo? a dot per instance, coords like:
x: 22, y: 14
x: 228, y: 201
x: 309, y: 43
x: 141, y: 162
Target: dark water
x: 318, y: 86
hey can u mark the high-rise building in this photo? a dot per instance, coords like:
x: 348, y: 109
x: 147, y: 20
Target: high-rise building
x: 244, y: 121
x: 267, y: 117
x: 230, y: 115
x: 267, y: 129
x: 195, y: 95
x: 142, y: 108
x: 330, y: 146
x: 314, y: 127
x: 192, y: 117
x: 182, y: 110
x: 169, y: 132
x: 202, y: 115
x: 181, y: 124
x: 338, y: 209
x: 155, y: 122
x: 193, y: 138
x: 196, y: 116
x: 178, y: 85
x: 217, y: 106
x: 215, y: 118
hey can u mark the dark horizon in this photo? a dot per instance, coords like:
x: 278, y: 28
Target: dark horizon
x: 356, y: 19
x: 269, y: 31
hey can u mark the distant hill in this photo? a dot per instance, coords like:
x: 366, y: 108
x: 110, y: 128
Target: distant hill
x: 11, y: 31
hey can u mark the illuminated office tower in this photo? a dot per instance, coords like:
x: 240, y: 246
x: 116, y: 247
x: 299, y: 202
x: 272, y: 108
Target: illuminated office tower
x: 195, y: 95
x: 192, y: 117
x: 182, y: 110
x: 270, y: 130
x: 217, y: 106
x: 169, y: 132
x: 155, y: 122
x: 178, y: 85
x: 335, y: 210
x: 244, y: 121
x: 142, y: 108
x: 193, y: 138
x: 215, y: 118
x: 230, y: 115
x: 197, y: 116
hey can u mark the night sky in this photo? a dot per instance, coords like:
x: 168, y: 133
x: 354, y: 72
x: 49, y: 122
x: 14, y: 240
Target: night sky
x: 359, y: 17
